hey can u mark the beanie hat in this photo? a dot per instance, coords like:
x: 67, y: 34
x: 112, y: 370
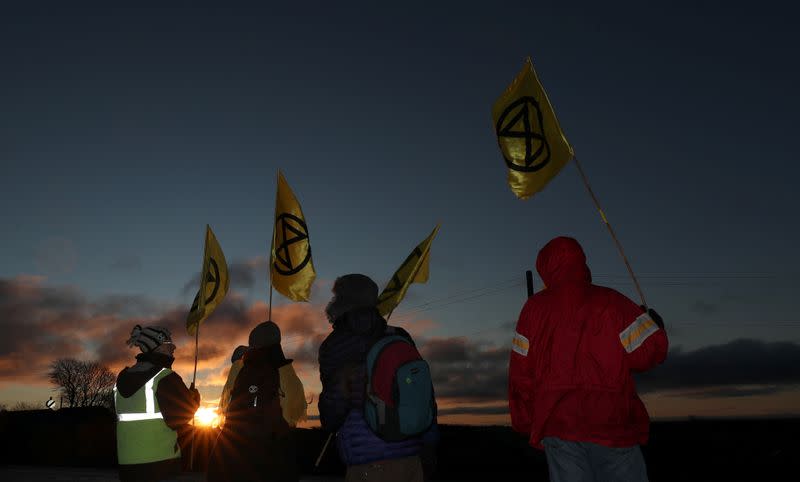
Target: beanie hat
x: 149, y: 338
x: 349, y: 292
x: 238, y: 353
x: 264, y: 334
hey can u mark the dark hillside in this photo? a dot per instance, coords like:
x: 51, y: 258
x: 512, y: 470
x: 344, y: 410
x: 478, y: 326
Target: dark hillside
x: 700, y: 450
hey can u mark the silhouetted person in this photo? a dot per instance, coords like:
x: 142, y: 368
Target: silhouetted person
x: 571, y: 383
x: 357, y: 325
x: 256, y: 443
x: 153, y: 408
x: 225, y: 397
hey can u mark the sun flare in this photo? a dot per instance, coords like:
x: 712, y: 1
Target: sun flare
x: 206, y: 417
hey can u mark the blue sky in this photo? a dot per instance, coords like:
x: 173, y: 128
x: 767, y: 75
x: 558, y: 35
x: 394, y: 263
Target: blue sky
x: 125, y: 130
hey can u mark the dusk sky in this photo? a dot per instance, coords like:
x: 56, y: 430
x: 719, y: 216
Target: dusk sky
x: 125, y: 130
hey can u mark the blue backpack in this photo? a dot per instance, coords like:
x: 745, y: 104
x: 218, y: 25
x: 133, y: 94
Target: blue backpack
x: 400, y: 402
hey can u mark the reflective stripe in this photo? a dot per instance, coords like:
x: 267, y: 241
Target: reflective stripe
x: 135, y: 417
x: 637, y: 332
x: 150, y: 404
x: 520, y: 344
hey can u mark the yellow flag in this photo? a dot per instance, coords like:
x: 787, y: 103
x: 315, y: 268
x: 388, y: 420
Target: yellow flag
x: 528, y: 133
x: 415, y: 269
x: 291, y: 267
x: 214, y: 283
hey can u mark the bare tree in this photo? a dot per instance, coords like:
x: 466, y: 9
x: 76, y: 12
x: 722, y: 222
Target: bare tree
x: 82, y: 383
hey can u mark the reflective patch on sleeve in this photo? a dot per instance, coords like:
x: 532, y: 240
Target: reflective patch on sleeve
x: 520, y: 344
x: 637, y: 332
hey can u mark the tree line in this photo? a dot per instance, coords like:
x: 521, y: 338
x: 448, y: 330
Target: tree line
x: 79, y: 383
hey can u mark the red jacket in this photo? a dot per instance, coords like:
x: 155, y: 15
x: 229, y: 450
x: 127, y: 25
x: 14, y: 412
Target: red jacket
x: 574, y: 353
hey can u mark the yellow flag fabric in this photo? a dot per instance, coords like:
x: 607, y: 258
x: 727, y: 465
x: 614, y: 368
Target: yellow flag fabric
x: 293, y: 402
x: 227, y: 390
x: 415, y: 269
x: 530, y: 138
x: 291, y: 266
x: 214, y: 283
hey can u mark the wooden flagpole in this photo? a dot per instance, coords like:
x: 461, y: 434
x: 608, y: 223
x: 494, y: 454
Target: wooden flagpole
x: 610, y: 230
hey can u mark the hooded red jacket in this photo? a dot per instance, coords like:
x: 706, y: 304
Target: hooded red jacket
x: 574, y: 353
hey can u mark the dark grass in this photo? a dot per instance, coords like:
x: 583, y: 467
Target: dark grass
x: 721, y: 449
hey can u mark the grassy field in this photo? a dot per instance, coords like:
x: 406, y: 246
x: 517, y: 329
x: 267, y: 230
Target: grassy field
x: 700, y: 450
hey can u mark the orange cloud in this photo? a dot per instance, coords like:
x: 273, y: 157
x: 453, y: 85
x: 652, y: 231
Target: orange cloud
x: 42, y: 323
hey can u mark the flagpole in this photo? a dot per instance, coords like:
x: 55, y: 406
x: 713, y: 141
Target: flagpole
x: 194, y: 377
x: 610, y: 230
x: 324, y: 448
x: 196, y: 351
x: 269, y: 312
x: 272, y: 247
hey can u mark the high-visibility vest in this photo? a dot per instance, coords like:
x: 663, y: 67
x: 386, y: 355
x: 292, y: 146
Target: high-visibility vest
x: 142, y: 434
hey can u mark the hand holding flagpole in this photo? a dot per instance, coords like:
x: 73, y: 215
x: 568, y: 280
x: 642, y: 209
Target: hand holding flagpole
x: 214, y: 284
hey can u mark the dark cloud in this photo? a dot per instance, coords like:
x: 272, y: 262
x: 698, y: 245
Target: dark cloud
x: 474, y: 410
x: 304, y: 348
x: 731, y: 392
x: 738, y: 363
x: 126, y: 306
x: 243, y: 275
x: 43, y: 323
x: 447, y: 350
x: 466, y: 370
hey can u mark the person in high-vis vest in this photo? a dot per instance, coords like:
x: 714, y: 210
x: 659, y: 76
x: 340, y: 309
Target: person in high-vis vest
x: 154, y: 408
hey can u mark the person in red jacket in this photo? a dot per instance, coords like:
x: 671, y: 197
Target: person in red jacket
x: 571, y: 384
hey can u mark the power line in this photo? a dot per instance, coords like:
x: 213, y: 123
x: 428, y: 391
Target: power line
x: 471, y: 294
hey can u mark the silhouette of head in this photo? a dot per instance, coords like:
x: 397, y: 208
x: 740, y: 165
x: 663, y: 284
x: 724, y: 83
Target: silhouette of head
x: 151, y: 338
x: 351, y: 291
x: 265, y: 334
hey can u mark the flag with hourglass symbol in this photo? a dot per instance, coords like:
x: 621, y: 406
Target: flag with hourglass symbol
x: 530, y: 138
x: 291, y: 267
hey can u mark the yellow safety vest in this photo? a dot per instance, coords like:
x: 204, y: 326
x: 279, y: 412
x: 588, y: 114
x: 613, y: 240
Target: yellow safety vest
x: 142, y: 434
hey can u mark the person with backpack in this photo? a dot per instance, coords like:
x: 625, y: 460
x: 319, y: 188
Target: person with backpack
x: 376, y: 440
x: 267, y: 400
x: 571, y: 386
x: 154, y: 409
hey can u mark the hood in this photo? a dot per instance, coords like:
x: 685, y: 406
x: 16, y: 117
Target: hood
x: 133, y: 378
x: 267, y: 355
x: 561, y: 261
x: 364, y: 320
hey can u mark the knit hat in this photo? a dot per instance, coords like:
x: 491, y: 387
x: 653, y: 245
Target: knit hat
x: 349, y: 292
x: 264, y: 334
x: 238, y: 353
x: 149, y: 338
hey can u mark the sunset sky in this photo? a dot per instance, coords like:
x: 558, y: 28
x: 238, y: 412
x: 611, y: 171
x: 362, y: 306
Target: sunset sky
x: 125, y: 130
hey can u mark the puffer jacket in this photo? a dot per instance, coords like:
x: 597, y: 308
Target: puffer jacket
x: 574, y: 353
x: 342, y: 367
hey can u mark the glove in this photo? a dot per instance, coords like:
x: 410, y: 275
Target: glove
x: 654, y: 315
